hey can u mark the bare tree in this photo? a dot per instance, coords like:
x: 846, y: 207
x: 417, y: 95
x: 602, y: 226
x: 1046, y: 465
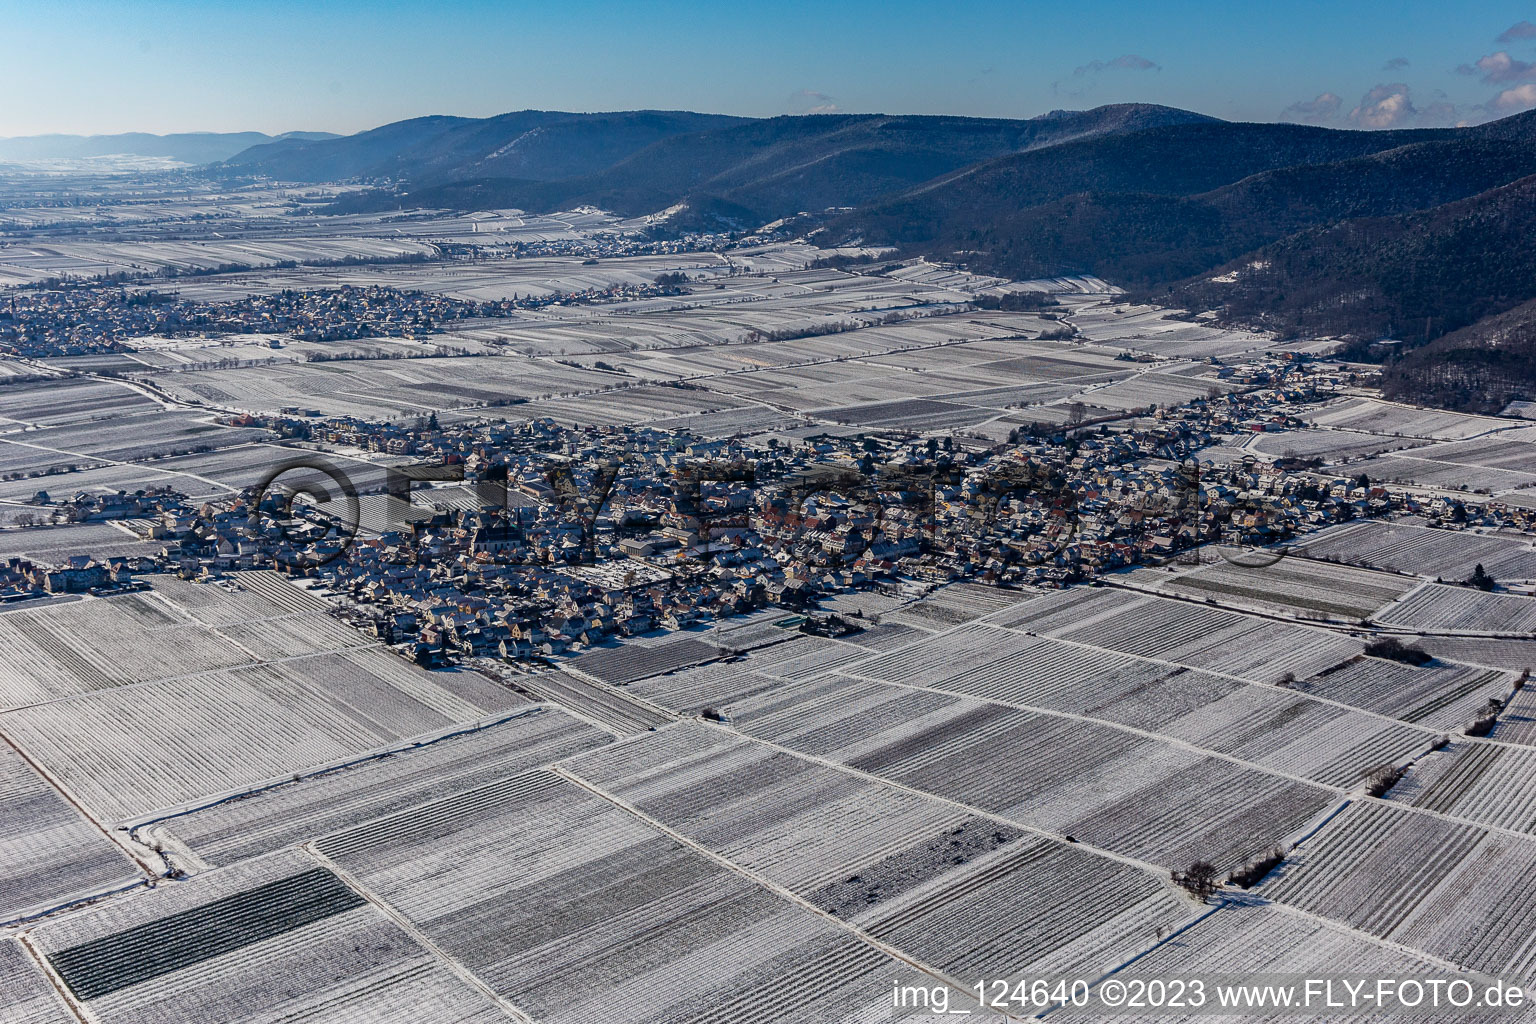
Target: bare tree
x: 1200, y: 880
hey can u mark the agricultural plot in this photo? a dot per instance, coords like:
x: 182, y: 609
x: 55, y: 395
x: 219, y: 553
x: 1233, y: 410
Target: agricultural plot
x: 574, y: 910
x: 1436, y: 609
x: 295, y: 812
x: 1436, y: 696
x: 218, y: 473
x: 1452, y: 890
x: 961, y: 892
x: 1513, y: 655
x: 727, y: 333
x: 54, y: 544
x: 1028, y: 910
x: 213, y: 733
x: 1196, y: 636
x: 886, y: 636
x: 1512, y: 451
x: 52, y: 854
x: 917, y: 414
x: 1373, y: 416
x: 1484, y: 783
x: 1434, y: 467
x: 104, y: 478
x: 281, y: 938
x: 952, y: 605
x: 178, y: 629
x: 294, y: 635
x: 1299, y: 735
x: 717, y: 687
x: 730, y: 422
x: 40, y: 466
x: 1334, y: 446
x: 797, y: 823
x: 484, y: 280
x: 233, y: 469
x: 1292, y: 586
x: 25, y: 991
x: 632, y: 405
x: 135, y: 435
x: 109, y: 679
x: 1424, y: 551
x: 1153, y: 329
x: 88, y: 259
x: 1057, y: 414
x: 1244, y: 942
x: 626, y: 663
x: 383, y: 388
x: 1159, y: 389
x: 1517, y: 722
x: 1022, y: 396
x: 63, y: 650
x: 223, y: 731
x: 1118, y: 790
x: 1272, y: 728
x: 62, y: 402
x: 796, y: 660
x: 614, y: 710
x: 254, y: 596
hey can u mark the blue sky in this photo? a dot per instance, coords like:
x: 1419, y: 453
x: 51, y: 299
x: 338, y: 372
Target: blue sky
x: 343, y: 65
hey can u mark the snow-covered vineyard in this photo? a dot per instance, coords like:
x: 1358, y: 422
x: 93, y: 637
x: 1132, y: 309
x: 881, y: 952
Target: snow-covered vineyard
x: 979, y: 783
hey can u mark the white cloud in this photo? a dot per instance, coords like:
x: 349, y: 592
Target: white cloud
x: 1519, y: 30
x: 1500, y: 67
x: 1512, y: 101
x: 1395, y: 64
x: 1386, y: 106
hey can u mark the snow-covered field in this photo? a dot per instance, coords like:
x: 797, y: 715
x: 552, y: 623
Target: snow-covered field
x: 1390, y: 873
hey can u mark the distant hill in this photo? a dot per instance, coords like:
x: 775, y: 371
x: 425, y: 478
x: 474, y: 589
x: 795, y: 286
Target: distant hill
x: 1156, y: 229
x: 1416, y: 235
x: 749, y: 171
x: 1409, y: 235
x: 1480, y: 368
x: 534, y: 145
x: 187, y: 147
x: 1095, y: 198
x: 1411, y: 277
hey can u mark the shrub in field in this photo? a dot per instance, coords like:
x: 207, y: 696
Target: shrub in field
x: 1252, y: 872
x: 1486, y: 719
x: 1394, y: 649
x: 1382, y: 778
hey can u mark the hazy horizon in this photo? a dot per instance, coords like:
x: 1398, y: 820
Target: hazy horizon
x: 167, y: 67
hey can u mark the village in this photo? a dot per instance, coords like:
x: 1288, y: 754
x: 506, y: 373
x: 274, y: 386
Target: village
x: 552, y: 540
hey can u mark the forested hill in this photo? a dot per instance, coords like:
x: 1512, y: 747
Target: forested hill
x: 1406, y: 235
x: 643, y: 161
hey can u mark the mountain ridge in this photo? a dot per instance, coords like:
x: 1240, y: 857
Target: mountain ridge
x: 1176, y: 206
